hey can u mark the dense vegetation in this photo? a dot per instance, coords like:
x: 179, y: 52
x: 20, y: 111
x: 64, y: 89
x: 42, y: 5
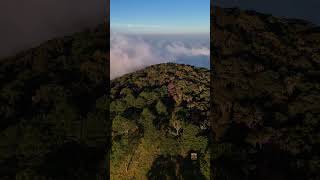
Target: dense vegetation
x: 265, y: 97
x: 160, y: 115
x: 53, y: 109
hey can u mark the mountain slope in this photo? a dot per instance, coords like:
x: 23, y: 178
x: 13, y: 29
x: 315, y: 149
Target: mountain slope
x: 265, y: 94
x: 53, y: 109
x: 160, y: 115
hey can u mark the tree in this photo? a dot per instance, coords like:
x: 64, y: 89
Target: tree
x: 161, y: 108
x: 122, y: 125
x: 191, y: 140
x: 149, y: 97
x: 140, y: 103
x: 147, y: 121
x: 117, y: 106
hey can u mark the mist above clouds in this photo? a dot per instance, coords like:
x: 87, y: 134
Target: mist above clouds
x: 129, y: 53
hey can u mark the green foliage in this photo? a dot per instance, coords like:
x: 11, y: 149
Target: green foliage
x: 117, y: 106
x: 147, y: 121
x: 161, y: 108
x: 140, y: 103
x: 123, y: 125
x: 119, y: 151
x: 143, y: 112
x: 163, y: 91
x: 191, y: 140
x: 126, y: 92
x: 150, y: 97
x: 147, y: 114
x: 130, y: 100
x: 170, y: 146
x: 205, y: 164
x: 182, y: 113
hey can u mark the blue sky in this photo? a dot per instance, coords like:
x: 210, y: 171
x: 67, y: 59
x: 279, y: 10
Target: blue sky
x: 160, y: 16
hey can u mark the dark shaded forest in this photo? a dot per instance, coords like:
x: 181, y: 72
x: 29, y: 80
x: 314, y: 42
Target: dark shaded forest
x: 53, y: 109
x: 265, y: 97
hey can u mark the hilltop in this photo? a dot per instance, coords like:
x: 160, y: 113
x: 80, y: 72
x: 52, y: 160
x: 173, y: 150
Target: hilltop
x: 160, y: 115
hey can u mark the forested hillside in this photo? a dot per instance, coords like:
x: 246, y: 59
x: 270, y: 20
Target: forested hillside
x: 53, y: 109
x: 159, y: 116
x: 265, y: 92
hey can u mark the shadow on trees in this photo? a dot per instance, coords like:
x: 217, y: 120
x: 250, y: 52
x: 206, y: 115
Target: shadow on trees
x: 269, y: 162
x: 175, y: 168
x: 73, y: 161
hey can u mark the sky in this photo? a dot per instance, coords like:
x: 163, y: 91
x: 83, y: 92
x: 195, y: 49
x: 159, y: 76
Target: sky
x: 147, y: 32
x: 160, y: 16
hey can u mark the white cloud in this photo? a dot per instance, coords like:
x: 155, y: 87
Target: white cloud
x: 179, y: 49
x: 130, y: 53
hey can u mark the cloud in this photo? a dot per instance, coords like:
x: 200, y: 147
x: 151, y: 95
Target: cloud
x: 180, y: 49
x: 129, y: 53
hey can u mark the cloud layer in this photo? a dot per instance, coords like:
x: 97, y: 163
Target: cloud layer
x: 180, y: 49
x: 129, y: 53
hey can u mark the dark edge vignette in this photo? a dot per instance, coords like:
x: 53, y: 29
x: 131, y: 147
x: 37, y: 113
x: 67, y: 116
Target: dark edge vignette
x: 109, y: 123
x: 54, y: 107
x: 211, y: 82
x: 267, y: 86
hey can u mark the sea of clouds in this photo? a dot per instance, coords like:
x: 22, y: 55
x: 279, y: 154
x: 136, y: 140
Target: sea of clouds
x: 129, y: 53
